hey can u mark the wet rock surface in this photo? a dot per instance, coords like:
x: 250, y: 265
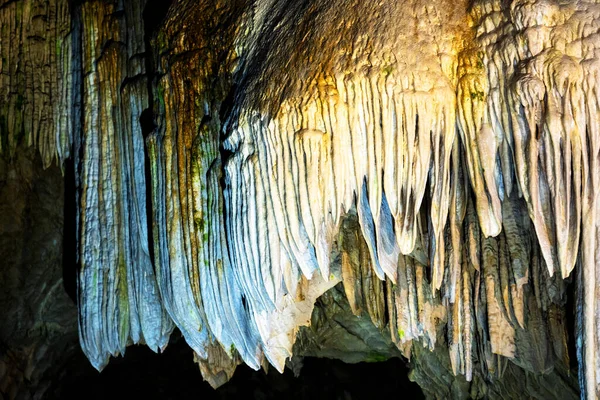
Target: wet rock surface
x: 281, y: 180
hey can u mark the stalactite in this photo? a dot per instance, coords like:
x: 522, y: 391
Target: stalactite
x: 37, y: 79
x: 541, y: 64
x: 118, y: 292
x: 448, y: 149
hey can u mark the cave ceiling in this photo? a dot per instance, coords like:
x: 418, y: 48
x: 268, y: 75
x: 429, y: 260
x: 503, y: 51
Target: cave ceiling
x: 235, y: 160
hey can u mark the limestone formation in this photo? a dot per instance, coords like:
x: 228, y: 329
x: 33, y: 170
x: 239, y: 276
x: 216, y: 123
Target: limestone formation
x: 113, y: 229
x: 434, y: 161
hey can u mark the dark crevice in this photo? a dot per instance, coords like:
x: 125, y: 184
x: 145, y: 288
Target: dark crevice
x: 147, y: 122
x: 571, y: 312
x: 72, y: 165
x: 244, y: 303
x: 131, y: 80
x: 154, y: 13
x: 225, y: 110
x: 69, y: 244
x: 148, y: 126
x: 226, y: 107
x: 108, y: 45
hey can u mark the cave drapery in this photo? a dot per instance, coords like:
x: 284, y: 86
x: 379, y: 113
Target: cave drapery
x: 438, y: 160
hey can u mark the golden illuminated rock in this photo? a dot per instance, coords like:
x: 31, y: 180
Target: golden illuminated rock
x: 437, y: 159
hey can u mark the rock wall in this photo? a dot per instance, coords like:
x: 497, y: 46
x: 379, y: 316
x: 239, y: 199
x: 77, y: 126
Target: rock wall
x: 38, y: 318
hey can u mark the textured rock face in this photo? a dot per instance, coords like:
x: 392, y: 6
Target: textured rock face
x: 37, y: 79
x: 435, y: 162
x: 113, y: 229
x: 38, y: 318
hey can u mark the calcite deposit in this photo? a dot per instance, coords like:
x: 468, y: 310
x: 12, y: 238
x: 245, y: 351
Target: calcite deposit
x: 437, y: 162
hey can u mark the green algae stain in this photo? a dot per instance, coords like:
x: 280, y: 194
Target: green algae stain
x: 479, y: 64
x: 58, y: 47
x: 123, y: 298
x: 199, y: 223
x: 477, y: 96
x: 387, y: 70
x: 161, y: 40
x: 160, y: 96
x: 376, y: 357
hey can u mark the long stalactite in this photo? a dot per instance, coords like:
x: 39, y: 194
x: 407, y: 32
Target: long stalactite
x: 438, y: 160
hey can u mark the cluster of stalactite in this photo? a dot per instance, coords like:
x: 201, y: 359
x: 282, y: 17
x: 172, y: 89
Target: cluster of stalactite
x: 37, y: 82
x: 456, y: 144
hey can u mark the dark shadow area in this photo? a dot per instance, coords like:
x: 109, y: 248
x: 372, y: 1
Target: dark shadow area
x: 153, y: 14
x: 142, y: 374
x: 571, y: 312
x: 69, y: 254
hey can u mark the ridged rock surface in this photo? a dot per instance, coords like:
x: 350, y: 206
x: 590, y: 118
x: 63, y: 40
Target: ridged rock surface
x: 112, y: 224
x: 37, y: 79
x: 435, y: 162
